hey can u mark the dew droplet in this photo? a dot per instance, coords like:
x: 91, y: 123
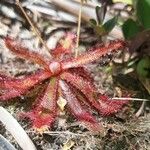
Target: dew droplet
x: 22, y: 97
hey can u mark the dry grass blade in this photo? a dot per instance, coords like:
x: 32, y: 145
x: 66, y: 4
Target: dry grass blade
x: 16, y: 130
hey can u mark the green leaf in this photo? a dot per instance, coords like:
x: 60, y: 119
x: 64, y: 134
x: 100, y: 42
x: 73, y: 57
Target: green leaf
x: 130, y: 29
x: 93, y: 22
x: 110, y: 24
x: 143, y: 12
x: 99, y: 30
x: 98, y: 9
x: 100, y: 13
x: 143, y: 67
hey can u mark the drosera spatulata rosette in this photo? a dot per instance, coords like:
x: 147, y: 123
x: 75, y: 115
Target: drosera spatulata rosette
x: 67, y: 78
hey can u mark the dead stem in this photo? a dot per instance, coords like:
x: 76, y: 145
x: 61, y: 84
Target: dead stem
x: 78, y: 29
x: 33, y: 27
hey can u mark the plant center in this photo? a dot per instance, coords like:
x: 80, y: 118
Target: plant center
x: 55, y: 67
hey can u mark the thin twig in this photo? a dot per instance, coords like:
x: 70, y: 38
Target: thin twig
x: 65, y: 132
x: 33, y: 27
x: 62, y: 132
x: 129, y: 98
x: 78, y: 29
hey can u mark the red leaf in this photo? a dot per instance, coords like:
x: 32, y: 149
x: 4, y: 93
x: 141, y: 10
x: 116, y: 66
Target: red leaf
x: 83, y: 72
x: 39, y: 118
x: 92, y: 55
x: 44, y: 109
x: 85, y: 87
x: 78, y: 82
x: 23, y: 52
x: 103, y: 104
x: 10, y: 93
x: 109, y: 106
x: 75, y: 108
x: 25, y: 82
x: 65, y: 45
x: 12, y: 87
x: 48, y: 101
